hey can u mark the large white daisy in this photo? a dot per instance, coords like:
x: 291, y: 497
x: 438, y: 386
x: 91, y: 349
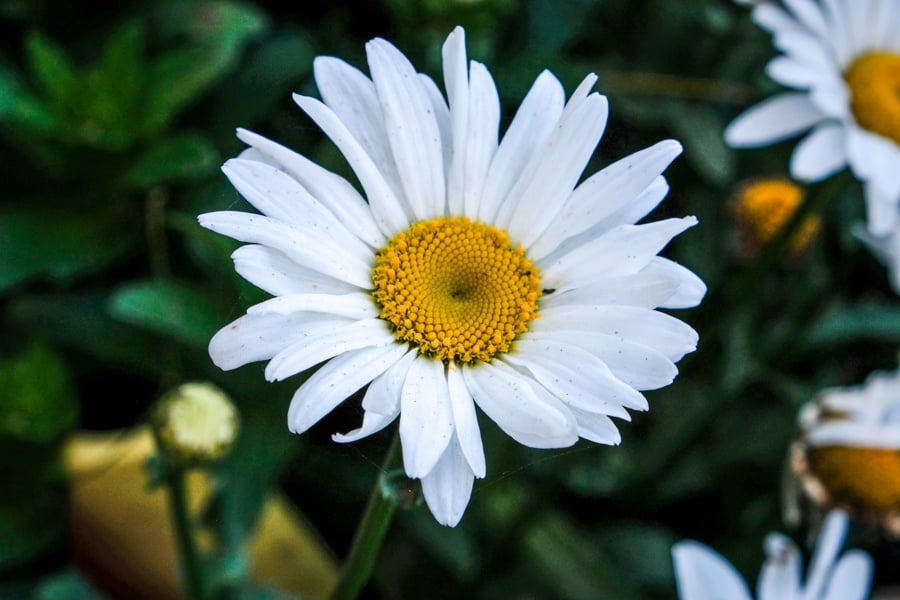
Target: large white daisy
x: 702, y: 574
x: 470, y: 271
x: 842, y: 59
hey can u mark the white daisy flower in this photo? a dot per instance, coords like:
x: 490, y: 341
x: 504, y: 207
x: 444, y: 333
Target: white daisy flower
x: 842, y: 60
x: 473, y: 270
x: 702, y: 574
x: 848, y: 450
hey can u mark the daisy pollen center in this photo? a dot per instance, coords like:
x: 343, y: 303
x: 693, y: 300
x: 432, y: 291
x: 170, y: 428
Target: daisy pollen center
x: 863, y: 478
x: 874, y: 83
x: 456, y: 288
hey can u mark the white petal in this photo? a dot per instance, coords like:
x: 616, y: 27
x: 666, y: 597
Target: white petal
x: 412, y: 129
x: 645, y: 288
x: 441, y: 114
x: 448, y: 487
x: 809, y: 14
x: 875, y: 159
x: 481, y: 144
x: 575, y: 376
x: 819, y: 154
x: 881, y: 210
x: 636, y: 365
x: 780, y: 575
x: 553, y: 172
x: 456, y: 80
x: 792, y: 73
x: 383, y: 395
x: 353, y: 306
x: 352, y: 97
x: 336, y: 380
x: 597, y: 428
x: 651, y: 328
x: 388, y: 210
x: 831, y: 537
x: 702, y: 574
x: 255, y: 337
x: 426, y: 421
x: 322, y: 345
x: 330, y: 189
x: 777, y: 118
x: 691, y: 288
x: 622, y: 251
x: 373, y: 422
x: 529, y: 130
x: 272, y: 271
x: 852, y: 577
x: 310, y: 248
x: 606, y: 193
x: 519, y: 407
x: 465, y: 421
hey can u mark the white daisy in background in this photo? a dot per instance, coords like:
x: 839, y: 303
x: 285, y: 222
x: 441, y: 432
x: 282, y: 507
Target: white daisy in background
x: 842, y: 59
x: 848, y: 450
x: 473, y: 271
x: 702, y: 574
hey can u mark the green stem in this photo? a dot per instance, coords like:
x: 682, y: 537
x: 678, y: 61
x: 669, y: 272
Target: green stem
x: 369, y: 534
x: 191, y: 574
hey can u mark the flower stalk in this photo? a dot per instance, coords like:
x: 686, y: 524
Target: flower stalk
x: 370, y: 533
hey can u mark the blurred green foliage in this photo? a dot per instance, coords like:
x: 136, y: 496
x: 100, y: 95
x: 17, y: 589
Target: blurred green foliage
x: 114, y: 118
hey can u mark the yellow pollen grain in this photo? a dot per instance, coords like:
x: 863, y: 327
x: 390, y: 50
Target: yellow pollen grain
x: 764, y: 207
x: 874, y: 83
x: 456, y: 288
x: 867, y: 479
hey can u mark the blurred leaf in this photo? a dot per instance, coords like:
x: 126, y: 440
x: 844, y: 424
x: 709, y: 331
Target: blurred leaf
x: 552, y: 25
x: 113, y: 91
x: 569, y: 563
x: 20, y: 108
x: 869, y: 322
x: 179, y: 77
x: 700, y: 130
x: 183, y: 157
x: 62, y: 245
x: 81, y: 321
x: 455, y: 549
x: 641, y: 552
x: 38, y: 400
x: 30, y: 529
x: 169, y: 308
x: 50, y: 67
x: 68, y: 585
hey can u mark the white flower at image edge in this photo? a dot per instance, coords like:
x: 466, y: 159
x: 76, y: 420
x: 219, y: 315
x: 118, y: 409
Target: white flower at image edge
x: 702, y: 574
x: 472, y: 271
x: 842, y: 59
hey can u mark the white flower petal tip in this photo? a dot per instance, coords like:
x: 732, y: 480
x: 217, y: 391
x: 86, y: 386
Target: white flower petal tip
x: 702, y: 574
x: 329, y: 251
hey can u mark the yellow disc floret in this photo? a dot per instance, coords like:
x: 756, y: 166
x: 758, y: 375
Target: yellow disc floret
x: 765, y: 206
x: 865, y: 479
x: 457, y: 289
x: 874, y: 82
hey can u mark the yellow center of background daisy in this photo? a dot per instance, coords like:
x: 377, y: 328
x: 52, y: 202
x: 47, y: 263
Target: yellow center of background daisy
x: 457, y: 289
x: 765, y: 206
x: 874, y: 82
x: 866, y: 479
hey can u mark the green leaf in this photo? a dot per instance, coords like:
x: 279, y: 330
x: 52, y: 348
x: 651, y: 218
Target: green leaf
x: 701, y: 131
x: 59, y: 244
x: 641, y: 552
x: 112, y: 97
x: 179, y: 77
x: 32, y: 529
x: 183, y: 157
x: 864, y: 322
x: 19, y: 108
x: 51, y: 68
x: 37, y: 399
x: 170, y: 308
x: 68, y: 585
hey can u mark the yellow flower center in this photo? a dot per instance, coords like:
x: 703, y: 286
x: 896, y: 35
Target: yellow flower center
x: 866, y: 479
x: 765, y: 206
x: 874, y: 82
x: 457, y: 289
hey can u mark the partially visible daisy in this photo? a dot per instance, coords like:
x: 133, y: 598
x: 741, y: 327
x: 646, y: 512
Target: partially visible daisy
x: 472, y: 271
x: 842, y: 59
x: 848, y: 451
x: 887, y: 249
x: 702, y: 574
